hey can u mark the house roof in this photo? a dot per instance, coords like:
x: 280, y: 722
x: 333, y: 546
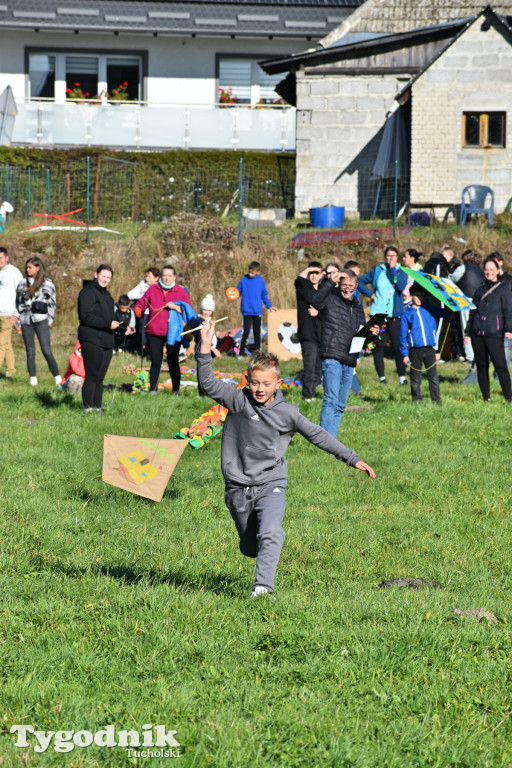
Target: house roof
x: 305, y: 19
x: 500, y: 23
x: 372, y: 46
x: 395, y: 16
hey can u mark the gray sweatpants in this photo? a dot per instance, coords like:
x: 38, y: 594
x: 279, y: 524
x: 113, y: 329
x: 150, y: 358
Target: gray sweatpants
x: 258, y: 512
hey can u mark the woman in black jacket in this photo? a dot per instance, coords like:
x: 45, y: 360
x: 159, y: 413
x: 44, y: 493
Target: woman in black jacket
x: 96, y: 334
x: 488, y: 324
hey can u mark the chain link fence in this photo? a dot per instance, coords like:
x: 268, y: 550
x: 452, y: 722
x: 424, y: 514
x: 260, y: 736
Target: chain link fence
x: 114, y: 190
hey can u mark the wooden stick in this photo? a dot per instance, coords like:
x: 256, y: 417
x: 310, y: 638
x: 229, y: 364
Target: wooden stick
x: 193, y: 330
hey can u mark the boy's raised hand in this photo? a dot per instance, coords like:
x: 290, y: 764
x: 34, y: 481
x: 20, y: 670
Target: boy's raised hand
x: 207, y: 334
x: 364, y: 467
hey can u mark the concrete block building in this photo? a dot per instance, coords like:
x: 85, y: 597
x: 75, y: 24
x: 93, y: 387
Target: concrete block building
x: 445, y: 71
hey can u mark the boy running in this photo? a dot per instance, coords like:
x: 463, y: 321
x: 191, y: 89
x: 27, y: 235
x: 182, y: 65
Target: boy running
x: 257, y: 431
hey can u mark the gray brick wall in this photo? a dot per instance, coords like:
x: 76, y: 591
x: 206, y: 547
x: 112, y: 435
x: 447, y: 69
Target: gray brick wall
x: 339, y: 123
x: 474, y: 75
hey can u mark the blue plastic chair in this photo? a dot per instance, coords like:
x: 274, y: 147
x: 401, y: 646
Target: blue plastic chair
x: 473, y: 201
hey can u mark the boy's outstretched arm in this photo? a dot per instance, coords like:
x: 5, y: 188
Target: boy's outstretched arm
x: 322, y: 439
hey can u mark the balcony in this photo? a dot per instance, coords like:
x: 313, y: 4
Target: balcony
x: 137, y: 125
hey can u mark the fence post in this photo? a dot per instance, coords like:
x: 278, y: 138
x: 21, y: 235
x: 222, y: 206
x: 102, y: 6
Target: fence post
x: 29, y: 193
x: 88, y: 207
x: 395, y: 199
x: 240, y: 199
x: 48, y: 189
x: 7, y: 182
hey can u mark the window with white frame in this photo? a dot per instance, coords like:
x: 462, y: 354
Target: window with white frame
x: 61, y: 75
x: 242, y: 81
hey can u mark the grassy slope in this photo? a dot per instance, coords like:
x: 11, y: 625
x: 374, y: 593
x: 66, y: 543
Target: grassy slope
x: 119, y: 610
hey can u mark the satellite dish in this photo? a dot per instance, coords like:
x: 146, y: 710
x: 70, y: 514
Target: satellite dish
x: 8, y: 112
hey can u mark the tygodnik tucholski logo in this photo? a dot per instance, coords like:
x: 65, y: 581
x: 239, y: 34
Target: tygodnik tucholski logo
x: 155, y: 740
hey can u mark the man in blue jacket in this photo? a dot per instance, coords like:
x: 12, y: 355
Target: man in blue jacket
x: 387, y: 282
x: 253, y: 291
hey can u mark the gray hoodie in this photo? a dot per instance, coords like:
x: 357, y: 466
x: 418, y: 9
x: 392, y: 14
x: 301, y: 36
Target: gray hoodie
x: 255, y: 438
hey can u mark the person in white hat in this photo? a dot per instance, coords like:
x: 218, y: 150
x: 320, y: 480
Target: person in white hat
x: 206, y: 312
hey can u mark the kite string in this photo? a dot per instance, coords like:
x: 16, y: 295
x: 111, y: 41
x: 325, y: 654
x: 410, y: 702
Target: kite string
x: 166, y: 423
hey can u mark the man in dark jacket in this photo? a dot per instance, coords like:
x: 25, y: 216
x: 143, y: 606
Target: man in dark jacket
x: 308, y: 330
x: 342, y: 316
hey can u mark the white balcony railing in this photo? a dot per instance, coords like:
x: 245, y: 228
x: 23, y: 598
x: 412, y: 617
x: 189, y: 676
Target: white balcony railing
x: 135, y: 125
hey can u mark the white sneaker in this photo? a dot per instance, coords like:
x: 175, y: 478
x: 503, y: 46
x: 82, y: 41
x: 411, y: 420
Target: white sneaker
x: 309, y: 399
x: 58, y: 379
x: 33, y: 381
x: 402, y: 380
x: 259, y: 591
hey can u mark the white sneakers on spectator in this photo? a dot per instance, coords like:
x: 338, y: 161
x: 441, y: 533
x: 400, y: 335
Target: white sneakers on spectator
x: 33, y: 381
x: 58, y: 379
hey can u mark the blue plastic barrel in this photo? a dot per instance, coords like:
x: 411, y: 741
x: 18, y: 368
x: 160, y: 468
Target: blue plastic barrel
x: 327, y: 217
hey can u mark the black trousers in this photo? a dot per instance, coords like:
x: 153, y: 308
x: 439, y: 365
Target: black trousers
x: 156, y: 354
x: 96, y: 363
x: 485, y: 347
x: 393, y: 331
x: 419, y: 357
x: 312, y: 368
x: 255, y: 322
x: 42, y: 331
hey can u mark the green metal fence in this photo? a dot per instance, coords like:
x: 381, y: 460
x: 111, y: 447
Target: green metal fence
x: 114, y: 190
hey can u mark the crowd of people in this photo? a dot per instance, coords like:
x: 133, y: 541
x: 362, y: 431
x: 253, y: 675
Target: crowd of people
x: 406, y: 319
x: 154, y: 325
x: 332, y: 329
x: 403, y: 318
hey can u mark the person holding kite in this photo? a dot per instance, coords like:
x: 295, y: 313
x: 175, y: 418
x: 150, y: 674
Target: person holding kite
x: 418, y: 342
x: 487, y: 326
x: 257, y: 431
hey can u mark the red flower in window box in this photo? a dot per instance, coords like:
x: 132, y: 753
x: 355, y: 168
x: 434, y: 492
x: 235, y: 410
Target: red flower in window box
x: 226, y: 96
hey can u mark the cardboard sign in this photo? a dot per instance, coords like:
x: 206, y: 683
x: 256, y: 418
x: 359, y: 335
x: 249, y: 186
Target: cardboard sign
x: 282, y: 334
x: 140, y: 465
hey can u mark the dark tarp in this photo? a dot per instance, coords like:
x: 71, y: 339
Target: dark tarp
x: 393, y: 146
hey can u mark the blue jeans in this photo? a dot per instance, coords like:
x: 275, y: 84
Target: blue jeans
x: 337, y: 383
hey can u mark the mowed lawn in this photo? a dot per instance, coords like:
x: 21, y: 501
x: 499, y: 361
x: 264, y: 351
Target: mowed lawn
x: 118, y: 610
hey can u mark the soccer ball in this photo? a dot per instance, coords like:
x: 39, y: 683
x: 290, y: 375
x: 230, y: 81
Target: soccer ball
x: 287, y: 335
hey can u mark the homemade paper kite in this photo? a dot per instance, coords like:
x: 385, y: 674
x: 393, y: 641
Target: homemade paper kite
x: 442, y: 289
x: 140, y: 465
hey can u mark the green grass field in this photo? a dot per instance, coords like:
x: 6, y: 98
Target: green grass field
x: 118, y: 610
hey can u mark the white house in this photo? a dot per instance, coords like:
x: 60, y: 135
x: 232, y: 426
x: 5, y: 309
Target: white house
x: 133, y: 73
